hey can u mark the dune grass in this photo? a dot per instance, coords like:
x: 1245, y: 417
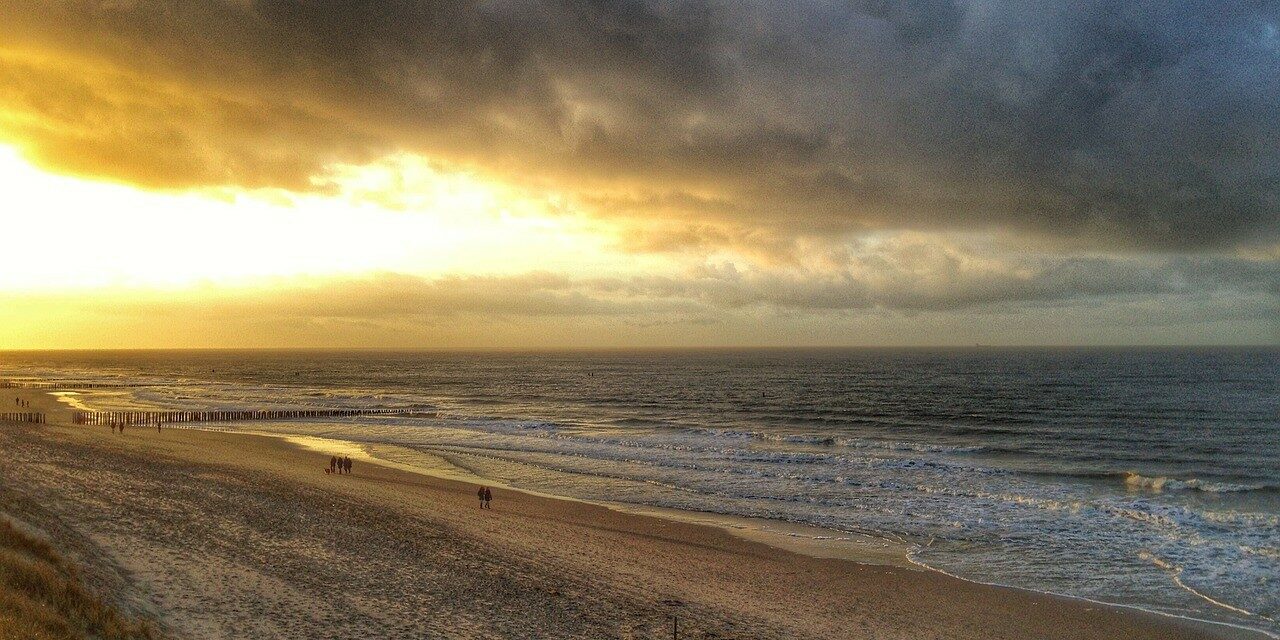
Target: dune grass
x: 41, y: 597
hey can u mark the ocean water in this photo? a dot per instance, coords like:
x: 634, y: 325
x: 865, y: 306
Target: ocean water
x: 1143, y: 477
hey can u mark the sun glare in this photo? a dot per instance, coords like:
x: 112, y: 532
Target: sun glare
x: 401, y: 214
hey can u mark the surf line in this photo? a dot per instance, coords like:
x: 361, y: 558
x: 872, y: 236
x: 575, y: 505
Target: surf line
x: 1177, y: 578
x: 911, y: 557
x: 1175, y: 572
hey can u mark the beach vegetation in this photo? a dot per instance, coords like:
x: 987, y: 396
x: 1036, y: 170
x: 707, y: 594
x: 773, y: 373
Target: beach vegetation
x: 42, y: 596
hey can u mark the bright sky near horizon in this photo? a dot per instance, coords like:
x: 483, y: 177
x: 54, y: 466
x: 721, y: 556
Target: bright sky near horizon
x: 276, y: 174
x: 397, y: 216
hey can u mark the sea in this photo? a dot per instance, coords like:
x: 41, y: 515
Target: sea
x: 1141, y: 477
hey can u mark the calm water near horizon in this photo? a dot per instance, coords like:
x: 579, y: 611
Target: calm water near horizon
x: 1147, y: 477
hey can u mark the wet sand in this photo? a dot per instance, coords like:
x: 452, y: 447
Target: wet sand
x: 219, y: 535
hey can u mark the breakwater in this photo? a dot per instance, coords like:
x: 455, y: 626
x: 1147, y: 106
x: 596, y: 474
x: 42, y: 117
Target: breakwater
x: 54, y: 386
x: 22, y: 416
x: 172, y: 417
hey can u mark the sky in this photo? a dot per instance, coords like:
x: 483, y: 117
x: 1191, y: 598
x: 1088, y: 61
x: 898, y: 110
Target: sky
x: 652, y: 173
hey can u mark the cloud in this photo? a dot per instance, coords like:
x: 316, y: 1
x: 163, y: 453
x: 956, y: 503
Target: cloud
x: 905, y: 289
x: 400, y: 296
x: 920, y: 278
x: 1096, y: 124
x: 905, y: 277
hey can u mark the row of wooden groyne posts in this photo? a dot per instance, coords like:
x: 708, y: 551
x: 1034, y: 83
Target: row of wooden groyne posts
x: 22, y: 416
x: 46, y: 386
x: 170, y: 417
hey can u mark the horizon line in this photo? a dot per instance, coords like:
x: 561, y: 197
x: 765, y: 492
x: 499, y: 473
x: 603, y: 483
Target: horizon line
x: 658, y: 348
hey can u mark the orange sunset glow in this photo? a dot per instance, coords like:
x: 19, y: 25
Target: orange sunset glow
x: 583, y: 194
x: 639, y: 319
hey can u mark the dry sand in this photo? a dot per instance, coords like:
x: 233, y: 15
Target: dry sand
x: 219, y: 535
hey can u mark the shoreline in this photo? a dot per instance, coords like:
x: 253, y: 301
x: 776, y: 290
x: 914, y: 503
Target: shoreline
x: 815, y: 542
x: 1234, y: 630
x: 241, y: 441
x: 818, y: 548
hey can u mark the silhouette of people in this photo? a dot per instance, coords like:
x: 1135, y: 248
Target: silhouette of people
x: 346, y: 464
x: 488, y: 495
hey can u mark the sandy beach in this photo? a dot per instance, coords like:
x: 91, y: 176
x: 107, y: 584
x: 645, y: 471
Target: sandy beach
x: 217, y: 535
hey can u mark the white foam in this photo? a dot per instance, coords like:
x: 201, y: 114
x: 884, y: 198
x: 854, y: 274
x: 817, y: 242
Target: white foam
x: 911, y: 557
x: 1157, y: 484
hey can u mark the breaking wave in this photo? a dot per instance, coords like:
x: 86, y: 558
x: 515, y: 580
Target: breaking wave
x: 1137, y: 481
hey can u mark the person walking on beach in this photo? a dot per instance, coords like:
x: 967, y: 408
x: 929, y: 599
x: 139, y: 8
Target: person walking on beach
x: 480, y: 494
x: 488, y: 495
x: 346, y: 464
x: 333, y: 464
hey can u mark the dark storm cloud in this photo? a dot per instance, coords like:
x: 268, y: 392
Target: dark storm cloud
x: 898, y: 285
x: 1103, y: 124
x: 890, y: 282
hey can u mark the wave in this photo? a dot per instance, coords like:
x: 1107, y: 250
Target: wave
x: 913, y: 557
x: 1135, y: 481
x: 1176, y: 572
x: 838, y: 441
x: 644, y: 422
x: 1157, y: 484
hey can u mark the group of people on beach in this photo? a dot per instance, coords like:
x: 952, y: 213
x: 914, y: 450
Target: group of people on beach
x: 119, y: 426
x: 342, y: 464
x: 19, y: 402
x: 339, y: 464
